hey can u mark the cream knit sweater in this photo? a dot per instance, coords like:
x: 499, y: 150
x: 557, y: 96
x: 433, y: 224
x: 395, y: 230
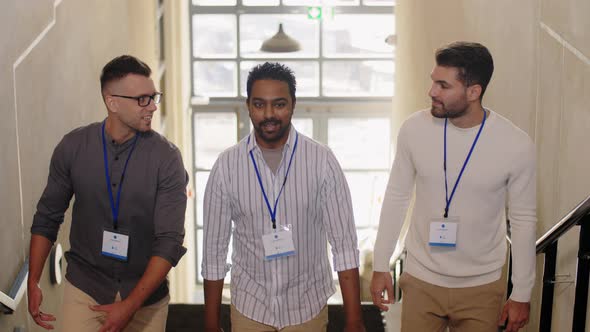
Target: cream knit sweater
x: 499, y: 175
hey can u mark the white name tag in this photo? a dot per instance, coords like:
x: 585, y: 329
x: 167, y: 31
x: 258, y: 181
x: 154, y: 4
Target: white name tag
x: 443, y: 232
x: 278, y: 244
x: 115, y: 245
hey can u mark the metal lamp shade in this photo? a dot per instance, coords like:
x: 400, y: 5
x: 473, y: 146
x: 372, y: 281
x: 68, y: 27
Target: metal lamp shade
x: 280, y: 42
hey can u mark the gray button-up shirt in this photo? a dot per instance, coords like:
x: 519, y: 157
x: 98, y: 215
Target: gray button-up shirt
x: 151, y: 211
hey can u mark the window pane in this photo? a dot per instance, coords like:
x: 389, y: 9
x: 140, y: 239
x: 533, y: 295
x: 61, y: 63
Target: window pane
x: 256, y: 28
x: 367, y: 190
x: 215, y: 78
x: 213, y: 132
x: 306, y: 72
x: 199, y: 250
x: 358, y: 78
x: 303, y: 125
x: 200, y: 257
x: 320, y: 2
x: 358, y: 36
x: 214, y: 2
x: 360, y: 143
x: 366, y: 240
x: 214, y: 36
x: 200, y: 184
x: 260, y: 2
x: 379, y: 2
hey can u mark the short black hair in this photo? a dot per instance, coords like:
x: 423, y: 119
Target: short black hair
x: 272, y: 71
x: 122, y: 66
x: 473, y: 61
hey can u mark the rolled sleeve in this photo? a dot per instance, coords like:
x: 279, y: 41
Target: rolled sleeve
x: 56, y: 197
x: 338, y: 217
x: 169, y: 211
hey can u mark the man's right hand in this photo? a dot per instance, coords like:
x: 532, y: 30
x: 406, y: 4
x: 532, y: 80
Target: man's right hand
x: 35, y: 297
x: 382, y: 284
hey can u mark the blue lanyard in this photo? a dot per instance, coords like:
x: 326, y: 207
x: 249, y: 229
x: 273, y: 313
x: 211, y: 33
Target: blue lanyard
x: 115, y: 205
x: 273, y: 212
x: 448, y: 200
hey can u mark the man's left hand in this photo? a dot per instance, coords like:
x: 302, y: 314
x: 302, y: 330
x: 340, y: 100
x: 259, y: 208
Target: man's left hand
x: 517, y: 314
x: 355, y: 327
x: 118, y: 315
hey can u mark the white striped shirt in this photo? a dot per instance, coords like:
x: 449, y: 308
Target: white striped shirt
x: 315, y: 202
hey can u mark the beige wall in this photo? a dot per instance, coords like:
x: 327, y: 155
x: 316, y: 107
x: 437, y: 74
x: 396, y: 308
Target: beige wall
x: 50, y: 60
x: 541, y: 50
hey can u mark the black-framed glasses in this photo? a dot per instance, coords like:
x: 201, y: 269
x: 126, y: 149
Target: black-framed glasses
x: 144, y: 100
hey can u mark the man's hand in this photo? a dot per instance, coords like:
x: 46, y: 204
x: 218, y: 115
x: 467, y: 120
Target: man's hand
x: 354, y: 327
x: 35, y: 297
x: 382, y: 283
x: 118, y: 315
x: 517, y: 314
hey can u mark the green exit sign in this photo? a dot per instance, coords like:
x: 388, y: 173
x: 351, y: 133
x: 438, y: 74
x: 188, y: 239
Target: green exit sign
x: 320, y: 12
x: 314, y: 13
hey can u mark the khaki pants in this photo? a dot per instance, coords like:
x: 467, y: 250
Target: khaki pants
x: 241, y: 323
x: 427, y: 307
x: 77, y: 316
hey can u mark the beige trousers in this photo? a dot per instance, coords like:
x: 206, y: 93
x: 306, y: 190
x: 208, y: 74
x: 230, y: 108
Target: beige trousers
x: 241, y: 323
x: 77, y: 316
x: 427, y: 307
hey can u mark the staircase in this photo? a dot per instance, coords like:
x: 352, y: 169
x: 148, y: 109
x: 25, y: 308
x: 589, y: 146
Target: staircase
x: 190, y: 318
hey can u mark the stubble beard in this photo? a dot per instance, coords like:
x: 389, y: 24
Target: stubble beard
x: 442, y: 112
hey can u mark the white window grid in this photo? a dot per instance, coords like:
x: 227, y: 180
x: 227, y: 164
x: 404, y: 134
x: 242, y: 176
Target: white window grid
x: 319, y: 109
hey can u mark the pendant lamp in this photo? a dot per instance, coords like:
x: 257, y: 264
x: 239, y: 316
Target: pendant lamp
x: 280, y: 42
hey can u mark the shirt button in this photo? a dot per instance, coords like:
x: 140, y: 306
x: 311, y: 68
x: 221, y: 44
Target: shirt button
x: 119, y: 280
x: 114, y: 184
x: 117, y: 158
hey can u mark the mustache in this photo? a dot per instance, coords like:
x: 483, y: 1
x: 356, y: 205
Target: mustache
x: 271, y: 121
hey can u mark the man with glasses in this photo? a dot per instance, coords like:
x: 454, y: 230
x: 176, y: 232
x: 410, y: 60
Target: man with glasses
x: 127, y: 227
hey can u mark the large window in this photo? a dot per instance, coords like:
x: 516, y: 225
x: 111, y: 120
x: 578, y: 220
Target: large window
x: 345, y: 84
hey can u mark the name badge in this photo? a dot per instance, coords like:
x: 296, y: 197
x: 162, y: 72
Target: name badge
x: 443, y: 232
x: 115, y: 245
x: 278, y: 244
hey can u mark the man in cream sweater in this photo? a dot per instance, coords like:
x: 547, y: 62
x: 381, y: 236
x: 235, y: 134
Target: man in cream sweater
x: 467, y: 164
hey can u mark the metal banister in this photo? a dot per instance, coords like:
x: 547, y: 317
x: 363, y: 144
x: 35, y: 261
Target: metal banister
x: 547, y: 245
x: 9, y: 302
x: 567, y: 222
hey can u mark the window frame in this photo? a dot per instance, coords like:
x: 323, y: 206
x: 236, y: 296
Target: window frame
x: 320, y: 109
x: 240, y: 9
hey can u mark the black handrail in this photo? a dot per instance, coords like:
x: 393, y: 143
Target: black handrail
x: 567, y: 222
x: 547, y: 244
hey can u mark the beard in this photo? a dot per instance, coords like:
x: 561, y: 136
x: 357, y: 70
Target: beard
x: 280, y: 133
x: 443, y: 112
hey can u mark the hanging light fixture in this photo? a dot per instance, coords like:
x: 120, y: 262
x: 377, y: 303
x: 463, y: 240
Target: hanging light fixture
x: 280, y: 42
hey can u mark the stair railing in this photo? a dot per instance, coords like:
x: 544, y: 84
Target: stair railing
x: 9, y: 302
